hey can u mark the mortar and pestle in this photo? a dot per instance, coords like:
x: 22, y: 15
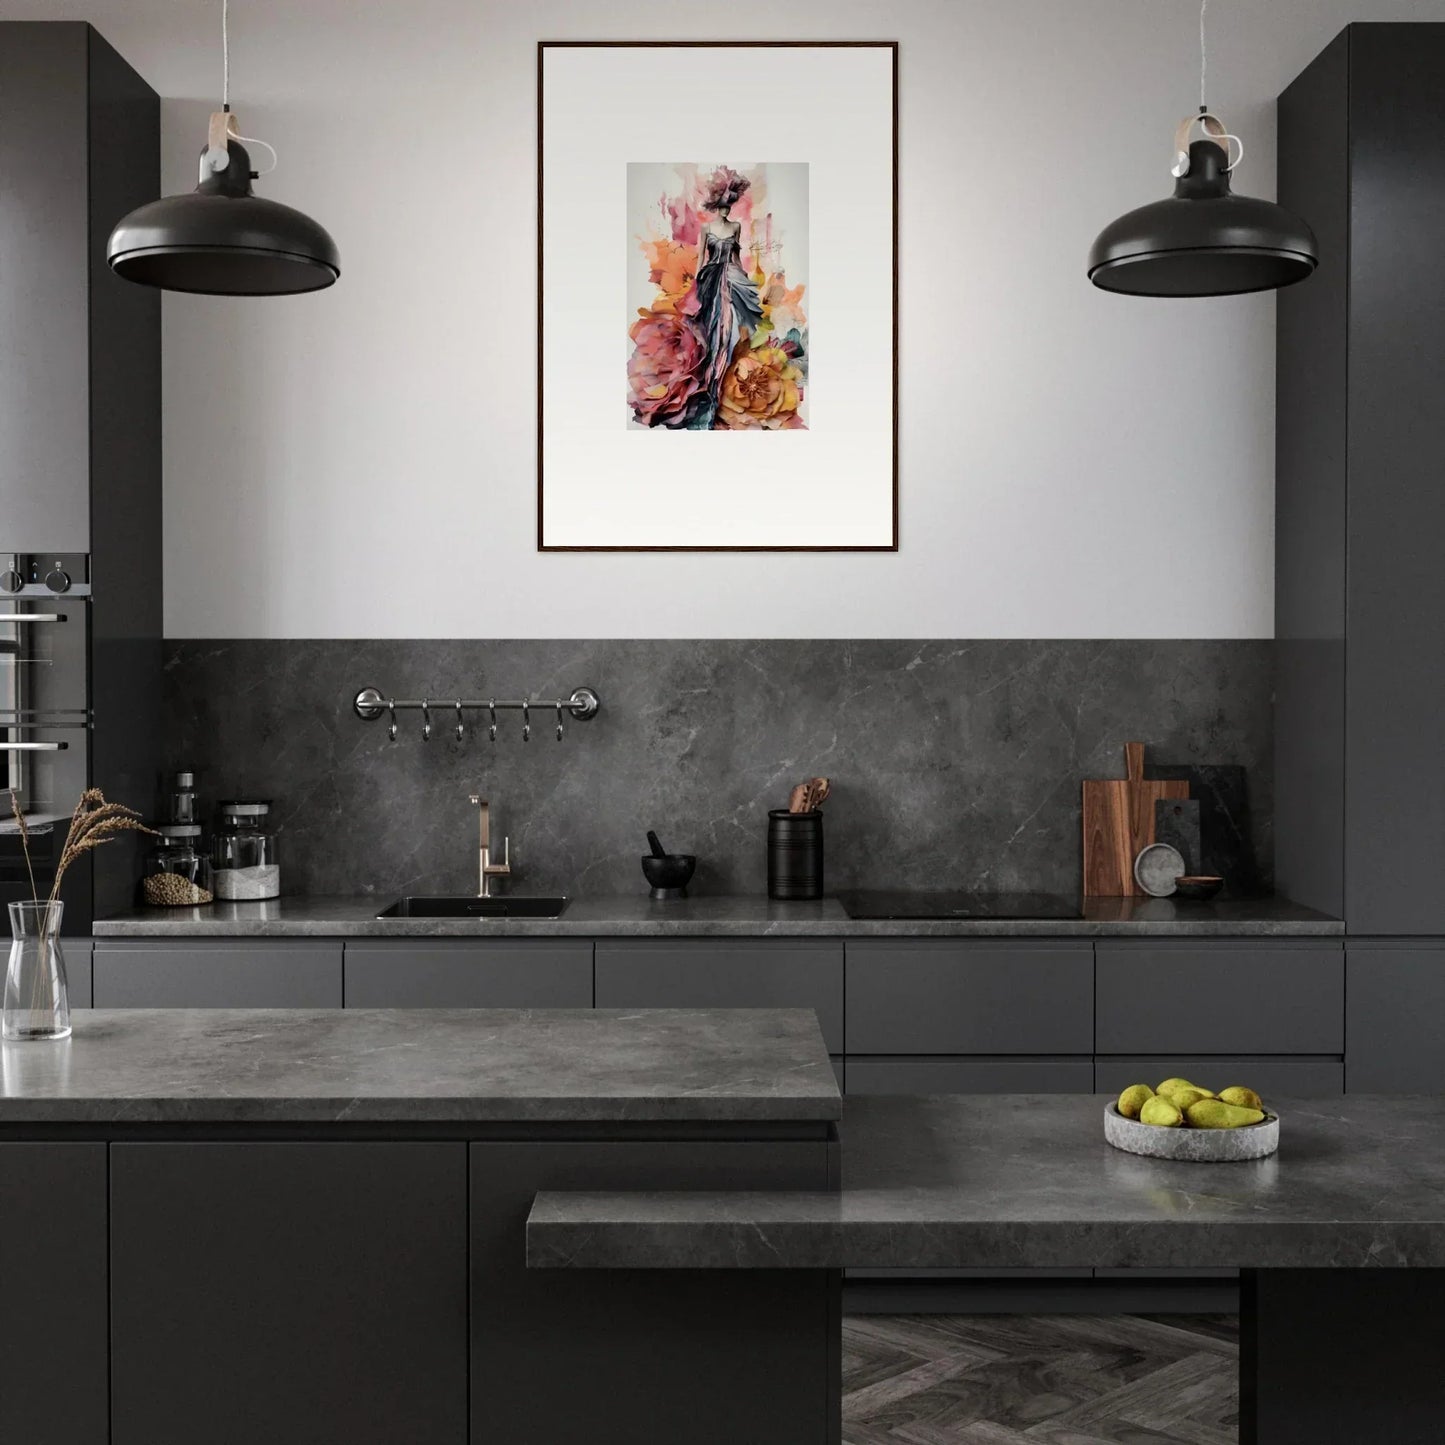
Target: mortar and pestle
x: 667, y: 872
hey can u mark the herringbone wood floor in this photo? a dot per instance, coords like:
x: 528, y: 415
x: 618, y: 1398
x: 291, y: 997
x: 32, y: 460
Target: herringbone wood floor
x: 1040, y: 1380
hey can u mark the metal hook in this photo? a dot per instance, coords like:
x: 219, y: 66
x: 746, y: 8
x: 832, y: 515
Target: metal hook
x: 559, y: 722
x: 391, y: 708
x: 492, y: 730
x: 426, y: 719
x: 461, y: 722
x: 527, y: 722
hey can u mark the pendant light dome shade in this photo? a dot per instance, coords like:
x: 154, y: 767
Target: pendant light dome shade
x: 224, y: 240
x: 1203, y: 240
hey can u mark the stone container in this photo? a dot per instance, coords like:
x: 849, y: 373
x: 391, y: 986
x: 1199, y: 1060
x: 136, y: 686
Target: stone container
x: 1195, y: 1146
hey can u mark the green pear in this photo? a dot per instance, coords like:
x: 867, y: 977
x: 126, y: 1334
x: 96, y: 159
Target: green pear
x: 1133, y: 1099
x: 1216, y: 1114
x: 1245, y: 1098
x: 1160, y: 1111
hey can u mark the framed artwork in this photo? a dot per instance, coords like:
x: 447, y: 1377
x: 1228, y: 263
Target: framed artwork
x: 717, y: 296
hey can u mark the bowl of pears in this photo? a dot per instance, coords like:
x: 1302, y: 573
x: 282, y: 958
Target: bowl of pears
x: 1182, y: 1120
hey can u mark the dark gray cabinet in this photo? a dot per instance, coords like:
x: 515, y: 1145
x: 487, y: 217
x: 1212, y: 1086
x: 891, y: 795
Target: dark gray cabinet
x: 919, y: 1075
x: 744, y: 973
x: 1279, y: 1076
x: 45, y: 235
x: 1395, y: 1020
x: 952, y: 996
x: 460, y: 973
x: 77, y: 953
x: 54, y: 1327
x: 297, y: 1293
x: 1167, y: 997
x: 218, y: 973
x: 1360, y: 520
x: 556, y: 1359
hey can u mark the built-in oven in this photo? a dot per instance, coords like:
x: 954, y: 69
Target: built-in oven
x: 45, y: 713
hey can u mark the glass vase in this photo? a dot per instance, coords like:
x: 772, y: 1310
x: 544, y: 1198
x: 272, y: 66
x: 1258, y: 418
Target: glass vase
x: 37, y: 1001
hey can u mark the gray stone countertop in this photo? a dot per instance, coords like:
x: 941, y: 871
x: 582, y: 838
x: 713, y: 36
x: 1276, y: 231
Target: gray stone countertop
x: 1028, y: 1181
x: 704, y: 916
x: 423, y: 1066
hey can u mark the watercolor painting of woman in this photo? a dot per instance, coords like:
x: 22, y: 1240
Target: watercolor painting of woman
x: 721, y: 348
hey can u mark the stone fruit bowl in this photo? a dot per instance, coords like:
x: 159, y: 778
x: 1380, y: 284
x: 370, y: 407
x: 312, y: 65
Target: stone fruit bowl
x: 1196, y: 1146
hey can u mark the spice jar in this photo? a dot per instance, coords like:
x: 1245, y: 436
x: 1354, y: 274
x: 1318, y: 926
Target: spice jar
x: 244, y: 853
x: 177, y: 870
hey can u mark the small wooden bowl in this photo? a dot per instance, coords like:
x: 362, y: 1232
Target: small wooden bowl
x: 1198, y: 886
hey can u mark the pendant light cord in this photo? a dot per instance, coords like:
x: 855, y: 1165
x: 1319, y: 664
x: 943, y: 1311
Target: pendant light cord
x: 1203, y: 57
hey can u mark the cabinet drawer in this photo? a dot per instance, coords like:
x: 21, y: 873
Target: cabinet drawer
x: 948, y: 997
x: 205, y: 973
x: 520, y: 973
x: 1298, y: 1078
x: 1396, y: 1027
x: 1220, y: 998
x: 970, y: 1076
x: 758, y: 973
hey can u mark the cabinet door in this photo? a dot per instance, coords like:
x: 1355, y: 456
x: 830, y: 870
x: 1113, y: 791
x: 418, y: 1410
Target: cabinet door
x: 1395, y: 1033
x: 951, y: 996
x: 1285, y: 1078
x: 44, y: 304
x: 746, y: 973
x: 299, y: 1294
x: 211, y: 973
x: 1166, y: 997
x: 53, y: 1329
x: 77, y: 953
x: 460, y: 973
x: 645, y: 1356
x: 970, y: 1076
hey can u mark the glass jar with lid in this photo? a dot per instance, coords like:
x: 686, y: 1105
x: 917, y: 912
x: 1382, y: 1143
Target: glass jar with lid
x: 244, y: 853
x: 177, y: 869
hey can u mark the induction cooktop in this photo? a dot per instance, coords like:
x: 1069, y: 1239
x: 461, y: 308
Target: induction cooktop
x: 871, y: 904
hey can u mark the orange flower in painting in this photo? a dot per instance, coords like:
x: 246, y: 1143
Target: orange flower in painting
x: 784, y: 306
x: 672, y: 267
x: 761, y: 391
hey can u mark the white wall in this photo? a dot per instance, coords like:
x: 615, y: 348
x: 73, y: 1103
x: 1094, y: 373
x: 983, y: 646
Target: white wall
x: 361, y: 463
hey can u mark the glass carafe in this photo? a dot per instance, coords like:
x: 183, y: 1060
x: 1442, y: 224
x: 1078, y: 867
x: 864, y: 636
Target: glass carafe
x: 37, y: 1001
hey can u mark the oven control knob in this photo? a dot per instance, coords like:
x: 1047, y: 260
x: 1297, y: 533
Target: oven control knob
x: 58, y: 581
x: 11, y: 581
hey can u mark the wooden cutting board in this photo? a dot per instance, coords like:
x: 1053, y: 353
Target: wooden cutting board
x: 1119, y: 822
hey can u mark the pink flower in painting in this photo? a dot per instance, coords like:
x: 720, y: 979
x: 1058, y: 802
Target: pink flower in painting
x: 725, y: 187
x: 665, y: 373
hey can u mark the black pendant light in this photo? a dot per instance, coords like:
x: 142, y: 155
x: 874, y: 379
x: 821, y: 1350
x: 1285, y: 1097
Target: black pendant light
x: 1203, y: 240
x: 222, y: 239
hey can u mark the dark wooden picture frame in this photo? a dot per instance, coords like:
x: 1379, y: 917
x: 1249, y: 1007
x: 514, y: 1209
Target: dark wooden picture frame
x: 542, y: 47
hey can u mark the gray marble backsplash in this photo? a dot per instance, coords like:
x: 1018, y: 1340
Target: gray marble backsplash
x: 954, y: 764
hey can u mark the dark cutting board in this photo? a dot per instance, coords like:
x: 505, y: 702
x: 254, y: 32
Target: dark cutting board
x: 1226, y: 833
x: 1176, y: 822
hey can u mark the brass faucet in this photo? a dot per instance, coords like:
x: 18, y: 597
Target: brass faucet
x: 487, y: 870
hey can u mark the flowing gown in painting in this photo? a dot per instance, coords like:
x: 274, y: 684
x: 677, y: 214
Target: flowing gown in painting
x: 722, y: 304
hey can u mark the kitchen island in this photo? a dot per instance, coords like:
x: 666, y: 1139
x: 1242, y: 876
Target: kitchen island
x: 1341, y: 1235
x: 297, y: 1225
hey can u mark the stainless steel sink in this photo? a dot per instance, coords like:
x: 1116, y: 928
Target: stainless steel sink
x: 464, y: 907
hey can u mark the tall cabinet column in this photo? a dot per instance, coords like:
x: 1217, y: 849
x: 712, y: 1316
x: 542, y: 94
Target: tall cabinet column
x: 1360, y: 535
